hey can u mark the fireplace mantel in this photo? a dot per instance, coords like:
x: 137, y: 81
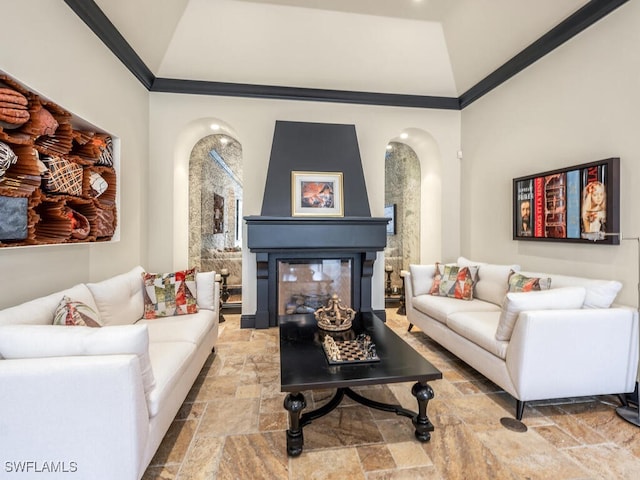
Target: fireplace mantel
x: 344, y: 233
x: 275, y: 238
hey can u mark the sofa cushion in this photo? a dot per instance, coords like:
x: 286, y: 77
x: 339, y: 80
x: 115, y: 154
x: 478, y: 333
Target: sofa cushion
x: 43, y: 341
x: 492, y: 282
x: 465, y: 262
x: 554, y: 299
x: 170, y: 361
x: 41, y: 311
x: 480, y: 328
x: 119, y: 299
x: 521, y: 283
x: 421, y: 278
x: 205, y: 290
x: 167, y: 294
x: 600, y: 293
x: 75, y: 313
x: 183, y: 328
x: 439, y: 308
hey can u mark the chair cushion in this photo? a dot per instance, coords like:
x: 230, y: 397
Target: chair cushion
x: 480, y: 328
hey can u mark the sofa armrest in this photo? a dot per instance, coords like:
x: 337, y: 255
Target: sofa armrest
x: 85, y: 414
x: 562, y: 353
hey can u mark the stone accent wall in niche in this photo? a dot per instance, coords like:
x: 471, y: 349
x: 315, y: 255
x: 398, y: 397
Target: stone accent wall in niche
x: 402, y: 188
x: 58, y: 178
x: 215, y: 202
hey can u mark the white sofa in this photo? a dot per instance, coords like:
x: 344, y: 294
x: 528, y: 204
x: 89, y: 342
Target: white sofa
x: 568, y: 341
x: 85, y: 402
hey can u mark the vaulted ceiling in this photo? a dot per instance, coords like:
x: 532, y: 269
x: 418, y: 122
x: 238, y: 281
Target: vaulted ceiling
x: 440, y: 48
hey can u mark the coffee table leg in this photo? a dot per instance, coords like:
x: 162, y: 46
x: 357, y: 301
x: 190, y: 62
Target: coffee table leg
x: 423, y: 393
x: 294, y: 403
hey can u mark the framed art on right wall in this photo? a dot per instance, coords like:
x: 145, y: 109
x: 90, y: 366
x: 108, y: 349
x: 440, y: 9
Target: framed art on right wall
x: 576, y: 204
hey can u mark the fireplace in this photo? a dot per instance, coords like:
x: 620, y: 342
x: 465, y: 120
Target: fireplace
x: 325, y: 255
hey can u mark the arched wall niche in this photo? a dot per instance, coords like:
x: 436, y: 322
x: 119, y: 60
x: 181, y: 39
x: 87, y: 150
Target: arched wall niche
x: 215, y: 206
x: 188, y: 138
x: 427, y: 247
x: 402, y: 200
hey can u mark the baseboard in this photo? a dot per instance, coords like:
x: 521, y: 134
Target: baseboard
x: 381, y: 314
x: 247, y: 321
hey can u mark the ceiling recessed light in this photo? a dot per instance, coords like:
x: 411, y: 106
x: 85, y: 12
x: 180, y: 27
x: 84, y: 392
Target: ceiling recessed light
x: 215, y: 126
x: 404, y: 135
x: 389, y: 147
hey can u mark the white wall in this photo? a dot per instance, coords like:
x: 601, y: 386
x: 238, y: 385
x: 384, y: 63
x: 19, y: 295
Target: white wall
x: 48, y: 48
x: 578, y: 104
x: 178, y: 121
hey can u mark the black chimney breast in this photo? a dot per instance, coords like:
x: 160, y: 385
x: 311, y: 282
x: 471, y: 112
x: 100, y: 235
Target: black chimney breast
x: 314, y: 147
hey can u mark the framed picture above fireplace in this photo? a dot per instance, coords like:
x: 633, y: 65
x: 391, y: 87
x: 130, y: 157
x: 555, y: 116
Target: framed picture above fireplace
x: 317, y: 194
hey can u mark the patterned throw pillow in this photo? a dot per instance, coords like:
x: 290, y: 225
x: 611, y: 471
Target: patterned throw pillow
x: 520, y: 283
x: 74, y: 313
x: 457, y: 282
x: 437, y: 278
x: 167, y: 294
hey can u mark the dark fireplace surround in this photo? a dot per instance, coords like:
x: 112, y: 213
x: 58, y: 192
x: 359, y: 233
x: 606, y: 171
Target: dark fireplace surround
x: 275, y: 235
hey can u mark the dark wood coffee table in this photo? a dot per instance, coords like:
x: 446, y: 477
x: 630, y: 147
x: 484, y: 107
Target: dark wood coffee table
x: 304, y: 366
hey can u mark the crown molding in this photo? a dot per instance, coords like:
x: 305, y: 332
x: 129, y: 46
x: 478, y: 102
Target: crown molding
x: 98, y: 22
x: 195, y: 87
x: 567, y: 29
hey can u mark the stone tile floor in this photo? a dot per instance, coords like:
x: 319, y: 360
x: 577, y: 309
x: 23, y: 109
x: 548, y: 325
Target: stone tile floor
x: 232, y: 426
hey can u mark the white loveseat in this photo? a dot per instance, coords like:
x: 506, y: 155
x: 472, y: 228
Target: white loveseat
x: 82, y: 402
x: 568, y: 341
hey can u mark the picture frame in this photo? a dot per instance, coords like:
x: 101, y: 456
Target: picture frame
x: 317, y: 194
x: 218, y: 214
x: 390, y: 212
x: 578, y: 204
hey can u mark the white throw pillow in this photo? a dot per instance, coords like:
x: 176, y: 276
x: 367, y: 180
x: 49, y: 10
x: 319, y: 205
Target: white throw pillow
x: 205, y: 290
x: 43, y: 341
x: 422, y: 278
x: 554, y: 299
x: 600, y: 293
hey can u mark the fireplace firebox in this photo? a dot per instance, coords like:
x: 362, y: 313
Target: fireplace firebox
x: 304, y: 285
x: 326, y: 256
